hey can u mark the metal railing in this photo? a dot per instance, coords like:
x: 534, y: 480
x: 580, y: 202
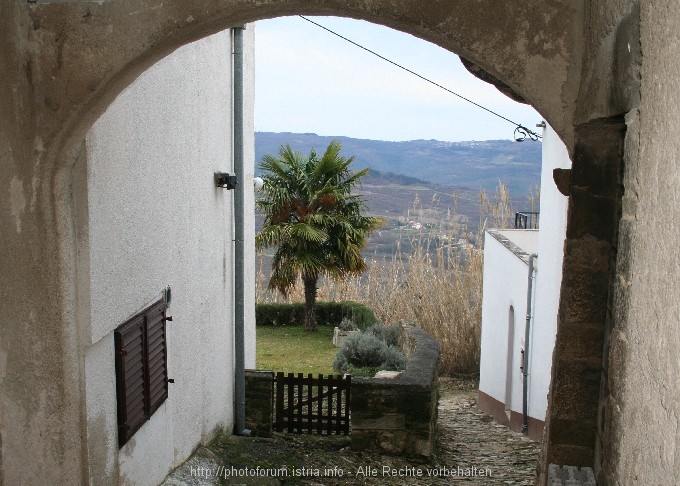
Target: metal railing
x: 526, y: 220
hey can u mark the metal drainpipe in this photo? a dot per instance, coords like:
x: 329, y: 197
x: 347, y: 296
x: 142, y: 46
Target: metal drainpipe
x: 527, y: 332
x: 239, y: 244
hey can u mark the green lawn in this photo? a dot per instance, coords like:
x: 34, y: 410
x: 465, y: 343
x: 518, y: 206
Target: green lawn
x: 290, y: 349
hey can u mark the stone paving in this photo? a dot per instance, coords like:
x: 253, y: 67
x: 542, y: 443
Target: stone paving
x: 469, y: 437
x: 472, y: 449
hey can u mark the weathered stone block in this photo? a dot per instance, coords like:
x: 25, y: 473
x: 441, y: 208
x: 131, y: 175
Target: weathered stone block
x: 570, y: 476
x: 570, y: 454
x: 576, y: 389
x: 584, y: 296
x: 386, y: 421
x: 594, y: 213
x: 580, y: 340
x: 588, y: 253
x: 573, y: 432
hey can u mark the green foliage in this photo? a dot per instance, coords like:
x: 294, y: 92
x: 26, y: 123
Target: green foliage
x: 313, y: 218
x: 366, y: 353
x: 328, y: 313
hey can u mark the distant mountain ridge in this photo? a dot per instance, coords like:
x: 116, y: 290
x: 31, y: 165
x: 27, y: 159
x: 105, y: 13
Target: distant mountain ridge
x: 474, y: 164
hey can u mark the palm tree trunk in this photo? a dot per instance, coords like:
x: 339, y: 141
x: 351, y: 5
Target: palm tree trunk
x: 310, y: 304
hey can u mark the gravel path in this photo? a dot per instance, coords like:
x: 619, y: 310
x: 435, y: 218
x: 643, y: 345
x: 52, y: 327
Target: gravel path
x: 472, y: 449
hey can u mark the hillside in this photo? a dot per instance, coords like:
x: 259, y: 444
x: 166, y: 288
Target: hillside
x: 473, y: 165
x: 425, y: 187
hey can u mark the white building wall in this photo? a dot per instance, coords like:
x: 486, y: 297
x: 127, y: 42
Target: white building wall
x: 505, y: 285
x: 156, y: 219
x: 249, y: 168
x: 552, y: 233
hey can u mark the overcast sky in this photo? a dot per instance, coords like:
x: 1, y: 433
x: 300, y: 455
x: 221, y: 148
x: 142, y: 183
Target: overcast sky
x: 308, y: 80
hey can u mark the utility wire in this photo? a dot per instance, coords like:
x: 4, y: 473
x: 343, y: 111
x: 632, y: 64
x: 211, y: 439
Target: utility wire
x: 521, y: 132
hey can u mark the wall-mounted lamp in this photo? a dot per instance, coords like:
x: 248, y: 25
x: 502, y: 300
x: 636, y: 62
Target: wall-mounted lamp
x: 258, y: 183
x: 226, y: 180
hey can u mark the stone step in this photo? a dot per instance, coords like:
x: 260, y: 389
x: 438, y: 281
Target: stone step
x: 570, y: 476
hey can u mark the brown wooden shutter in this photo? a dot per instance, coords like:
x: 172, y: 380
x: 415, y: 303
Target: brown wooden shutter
x: 141, y: 369
x: 157, y: 359
x: 130, y: 380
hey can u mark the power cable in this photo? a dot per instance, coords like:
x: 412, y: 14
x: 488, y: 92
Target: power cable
x: 521, y: 132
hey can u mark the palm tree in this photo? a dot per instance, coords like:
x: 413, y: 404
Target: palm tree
x: 313, y: 219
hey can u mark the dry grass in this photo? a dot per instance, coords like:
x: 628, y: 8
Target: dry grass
x: 435, y: 278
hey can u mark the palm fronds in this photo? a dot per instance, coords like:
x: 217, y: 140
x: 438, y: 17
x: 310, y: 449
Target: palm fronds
x: 311, y: 215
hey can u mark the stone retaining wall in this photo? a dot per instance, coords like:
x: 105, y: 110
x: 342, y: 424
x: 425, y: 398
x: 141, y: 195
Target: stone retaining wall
x: 399, y: 415
x: 393, y: 415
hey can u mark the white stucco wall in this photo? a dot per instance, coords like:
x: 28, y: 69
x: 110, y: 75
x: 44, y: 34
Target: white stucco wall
x: 551, y: 235
x: 505, y: 284
x: 249, y: 174
x: 156, y: 219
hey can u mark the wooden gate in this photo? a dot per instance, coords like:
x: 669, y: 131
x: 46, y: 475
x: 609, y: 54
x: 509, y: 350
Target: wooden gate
x: 312, y: 405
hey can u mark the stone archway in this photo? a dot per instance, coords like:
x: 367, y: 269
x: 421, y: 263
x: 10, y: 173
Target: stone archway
x: 89, y: 52
x: 67, y: 61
